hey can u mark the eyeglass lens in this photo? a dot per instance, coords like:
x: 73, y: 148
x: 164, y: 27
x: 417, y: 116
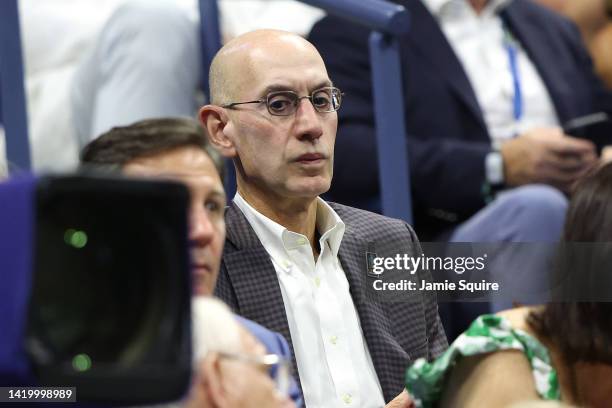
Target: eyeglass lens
x: 283, y: 103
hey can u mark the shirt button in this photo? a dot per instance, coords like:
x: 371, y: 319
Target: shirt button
x: 333, y: 340
x: 347, y: 398
x: 317, y: 281
x: 301, y: 241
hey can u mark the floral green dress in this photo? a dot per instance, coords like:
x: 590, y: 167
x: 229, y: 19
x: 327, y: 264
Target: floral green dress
x: 488, y: 333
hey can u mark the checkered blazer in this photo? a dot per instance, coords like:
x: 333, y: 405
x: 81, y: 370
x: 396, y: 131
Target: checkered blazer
x: 396, y: 333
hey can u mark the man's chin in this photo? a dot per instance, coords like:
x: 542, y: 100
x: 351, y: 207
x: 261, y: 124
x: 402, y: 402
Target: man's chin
x: 201, y: 285
x: 312, y: 187
x: 198, y: 291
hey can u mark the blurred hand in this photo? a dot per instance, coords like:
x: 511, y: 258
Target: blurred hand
x: 403, y: 400
x: 546, y: 155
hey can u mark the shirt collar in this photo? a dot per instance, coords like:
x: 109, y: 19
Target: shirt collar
x: 331, y: 223
x: 278, y: 240
x: 440, y: 7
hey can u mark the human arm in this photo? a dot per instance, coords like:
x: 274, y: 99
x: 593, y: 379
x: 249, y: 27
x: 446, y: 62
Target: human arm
x: 547, y: 156
x: 438, y: 343
x: 471, y: 382
x: 403, y: 400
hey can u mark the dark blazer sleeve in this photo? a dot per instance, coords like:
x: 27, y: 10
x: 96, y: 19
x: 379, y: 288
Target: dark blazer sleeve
x: 435, y: 331
x: 601, y: 97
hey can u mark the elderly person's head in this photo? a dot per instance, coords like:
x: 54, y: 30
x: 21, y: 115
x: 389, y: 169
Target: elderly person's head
x: 232, y: 367
x: 173, y: 149
x: 273, y: 111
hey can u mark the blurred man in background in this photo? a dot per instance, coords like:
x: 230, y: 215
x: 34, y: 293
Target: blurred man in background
x: 176, y: 149
x: 487, y: 85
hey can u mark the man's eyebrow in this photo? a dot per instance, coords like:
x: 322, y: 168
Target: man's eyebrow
x: 275, y: 88
x: 279, y: 87
x: 323, y: 84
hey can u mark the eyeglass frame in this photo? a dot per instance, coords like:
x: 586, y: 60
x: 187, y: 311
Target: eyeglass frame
x: 278, y: 367
x: 298, y: 98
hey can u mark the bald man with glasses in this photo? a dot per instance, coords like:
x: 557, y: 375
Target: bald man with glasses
x: 293, y: 262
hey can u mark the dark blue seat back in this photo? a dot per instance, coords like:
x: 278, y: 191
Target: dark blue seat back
x: 12, y: 93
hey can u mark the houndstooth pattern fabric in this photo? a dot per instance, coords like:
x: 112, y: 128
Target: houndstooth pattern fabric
x: 396, y: 333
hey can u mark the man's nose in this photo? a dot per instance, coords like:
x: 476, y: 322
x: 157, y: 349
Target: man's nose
x: 201, y: 229
x: 308, y: 120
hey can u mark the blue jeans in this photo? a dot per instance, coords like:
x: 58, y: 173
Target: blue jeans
x: 532, y: 213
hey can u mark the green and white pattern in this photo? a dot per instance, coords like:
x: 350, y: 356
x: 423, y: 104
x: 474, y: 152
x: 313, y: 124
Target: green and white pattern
x: 488, y: 333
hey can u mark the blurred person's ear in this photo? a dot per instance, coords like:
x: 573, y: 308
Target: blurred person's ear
x: 210, y: 372
x: 216, y: 122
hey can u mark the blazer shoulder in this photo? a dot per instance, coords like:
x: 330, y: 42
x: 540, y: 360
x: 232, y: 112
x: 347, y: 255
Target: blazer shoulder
x: 239, y: 232
x: 371, y: 225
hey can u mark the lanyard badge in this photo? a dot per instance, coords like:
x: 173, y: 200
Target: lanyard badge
x: 511, y: 45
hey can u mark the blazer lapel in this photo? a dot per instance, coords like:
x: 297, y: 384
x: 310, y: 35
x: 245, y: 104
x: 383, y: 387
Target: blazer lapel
x: 374, y: 322
x: 427, y: 37
x: 253, y: 277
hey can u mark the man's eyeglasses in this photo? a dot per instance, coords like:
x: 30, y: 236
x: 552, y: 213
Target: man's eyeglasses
x: 277, y: 367
x: 285, y: 103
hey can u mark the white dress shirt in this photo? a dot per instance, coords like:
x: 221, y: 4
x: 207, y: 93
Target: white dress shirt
x: 333, y: 360
x: 478, y: 42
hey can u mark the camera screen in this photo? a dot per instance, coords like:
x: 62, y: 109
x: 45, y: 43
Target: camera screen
x: 111, y: 286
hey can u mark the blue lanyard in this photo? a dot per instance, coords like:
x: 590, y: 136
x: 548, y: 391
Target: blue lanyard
x: 511, y: 47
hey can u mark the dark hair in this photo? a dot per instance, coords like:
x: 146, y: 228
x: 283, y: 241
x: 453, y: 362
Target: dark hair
x: 582, y: 331
x: 113, y: 149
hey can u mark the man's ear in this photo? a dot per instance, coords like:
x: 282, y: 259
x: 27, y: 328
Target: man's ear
x: 214, y: 119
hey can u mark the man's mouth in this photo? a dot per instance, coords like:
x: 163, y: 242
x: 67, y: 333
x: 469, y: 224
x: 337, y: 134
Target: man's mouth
x: 311, y: 158
x: 200, y: 269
